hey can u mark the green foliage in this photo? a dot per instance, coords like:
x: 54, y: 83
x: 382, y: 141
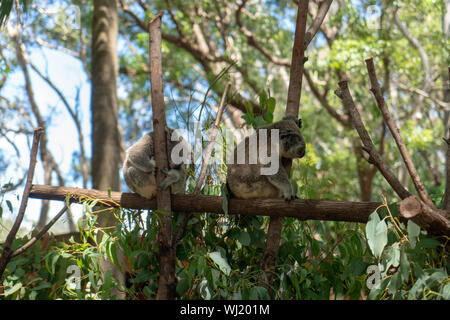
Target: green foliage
x: 219, y: 259
x: 409, y: 264
x: 266, y: 109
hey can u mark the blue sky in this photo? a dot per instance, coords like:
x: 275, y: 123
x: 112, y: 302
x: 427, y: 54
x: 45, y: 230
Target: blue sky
x: 67, y: 74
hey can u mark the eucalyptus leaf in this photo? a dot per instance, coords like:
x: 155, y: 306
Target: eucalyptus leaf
x: 221, y: 262
x: 12, y: 290
x: 413, y: 233
x: 376, y: 231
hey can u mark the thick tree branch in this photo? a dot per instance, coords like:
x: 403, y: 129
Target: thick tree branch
x: 347, y: 211
x: 166, y: 283
x: 269, y: 259
x: 431, y: 219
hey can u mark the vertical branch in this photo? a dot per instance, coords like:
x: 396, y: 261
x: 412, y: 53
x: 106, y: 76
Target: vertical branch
x: 7, y: 250
x: 446, y: 200
x: 270, y: 255
x: 298, y: 53
x: 210, y: 146
x: 344, y: 93
x: 166, y: 283
x: 396, y: 134
x: 205, y: 161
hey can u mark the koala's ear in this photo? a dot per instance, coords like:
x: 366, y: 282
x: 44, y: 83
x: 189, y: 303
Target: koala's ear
x: 300, y: 123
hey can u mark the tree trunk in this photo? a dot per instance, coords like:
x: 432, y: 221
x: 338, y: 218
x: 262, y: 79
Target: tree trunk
x: 106, y: 159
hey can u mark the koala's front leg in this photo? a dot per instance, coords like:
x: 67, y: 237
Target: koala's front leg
x: 172, y: 176
x: 281, y: 181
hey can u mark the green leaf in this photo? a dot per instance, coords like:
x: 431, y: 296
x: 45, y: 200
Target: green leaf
x: 12, y: 290
x: 43, y: 286
x: 413, y: 233
x: 217, y: 258
x: 269, y: 117
x: 225, y: 196
x: 148, y: 291
x: 259, y: 293
x: 259, y: 122
x: 446, y: 291
x: 376, y: 232
x: 271, y: 102
x: 5, y: 10
x: 204, y: 290
x: 182, y: 286
x: 395, y: 283
x: 404, y: 265
x: 392, y: 256
x: 244, y: 238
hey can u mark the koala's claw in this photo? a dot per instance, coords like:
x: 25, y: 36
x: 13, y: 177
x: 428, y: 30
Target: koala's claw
x: 290, y: 198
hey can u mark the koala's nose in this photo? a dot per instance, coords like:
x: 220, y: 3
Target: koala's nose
x: 301, y: 152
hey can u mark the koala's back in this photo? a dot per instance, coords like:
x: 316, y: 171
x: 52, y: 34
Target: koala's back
x: 139, y: 169
x: 245, y: 180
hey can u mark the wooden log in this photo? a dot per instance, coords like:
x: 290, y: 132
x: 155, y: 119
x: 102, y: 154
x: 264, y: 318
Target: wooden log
x: 328, y: 210
x: 435, y: 221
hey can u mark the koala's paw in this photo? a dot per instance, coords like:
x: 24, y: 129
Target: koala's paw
x: 290, y: 197
x: 163, y: 185
x: 169, y: 180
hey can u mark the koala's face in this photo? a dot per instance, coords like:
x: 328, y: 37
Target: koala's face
x: 292, y: 145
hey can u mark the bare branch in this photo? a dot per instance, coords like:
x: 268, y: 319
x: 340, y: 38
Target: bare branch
x: 344, y: 120
x: 416, y: 44
x: 317, y: 22
x: 7, y: 251
x: 395, y: 132
x: 369, y: 147
x: 252, y: 41
x: 206, y: 158
x: 444, y: 105
x: 430, y: 219
x: 40, y: 234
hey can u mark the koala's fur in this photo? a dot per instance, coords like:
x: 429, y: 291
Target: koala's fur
x: 139, y: 168
x: 245, y: 180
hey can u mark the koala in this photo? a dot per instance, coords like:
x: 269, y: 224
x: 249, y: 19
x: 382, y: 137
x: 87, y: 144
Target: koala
x: 139, y: 167
x: 245, y: 180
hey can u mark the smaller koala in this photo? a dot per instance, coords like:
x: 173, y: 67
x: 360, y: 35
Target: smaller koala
x: 245, y: 181
x: 139, y: 168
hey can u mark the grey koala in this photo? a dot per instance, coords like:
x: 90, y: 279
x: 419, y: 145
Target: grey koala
x: 245, y: 180
x: 139, y: 167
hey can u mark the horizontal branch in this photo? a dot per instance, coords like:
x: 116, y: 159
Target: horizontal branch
x: 301, y: 209
x: 433, y: 220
